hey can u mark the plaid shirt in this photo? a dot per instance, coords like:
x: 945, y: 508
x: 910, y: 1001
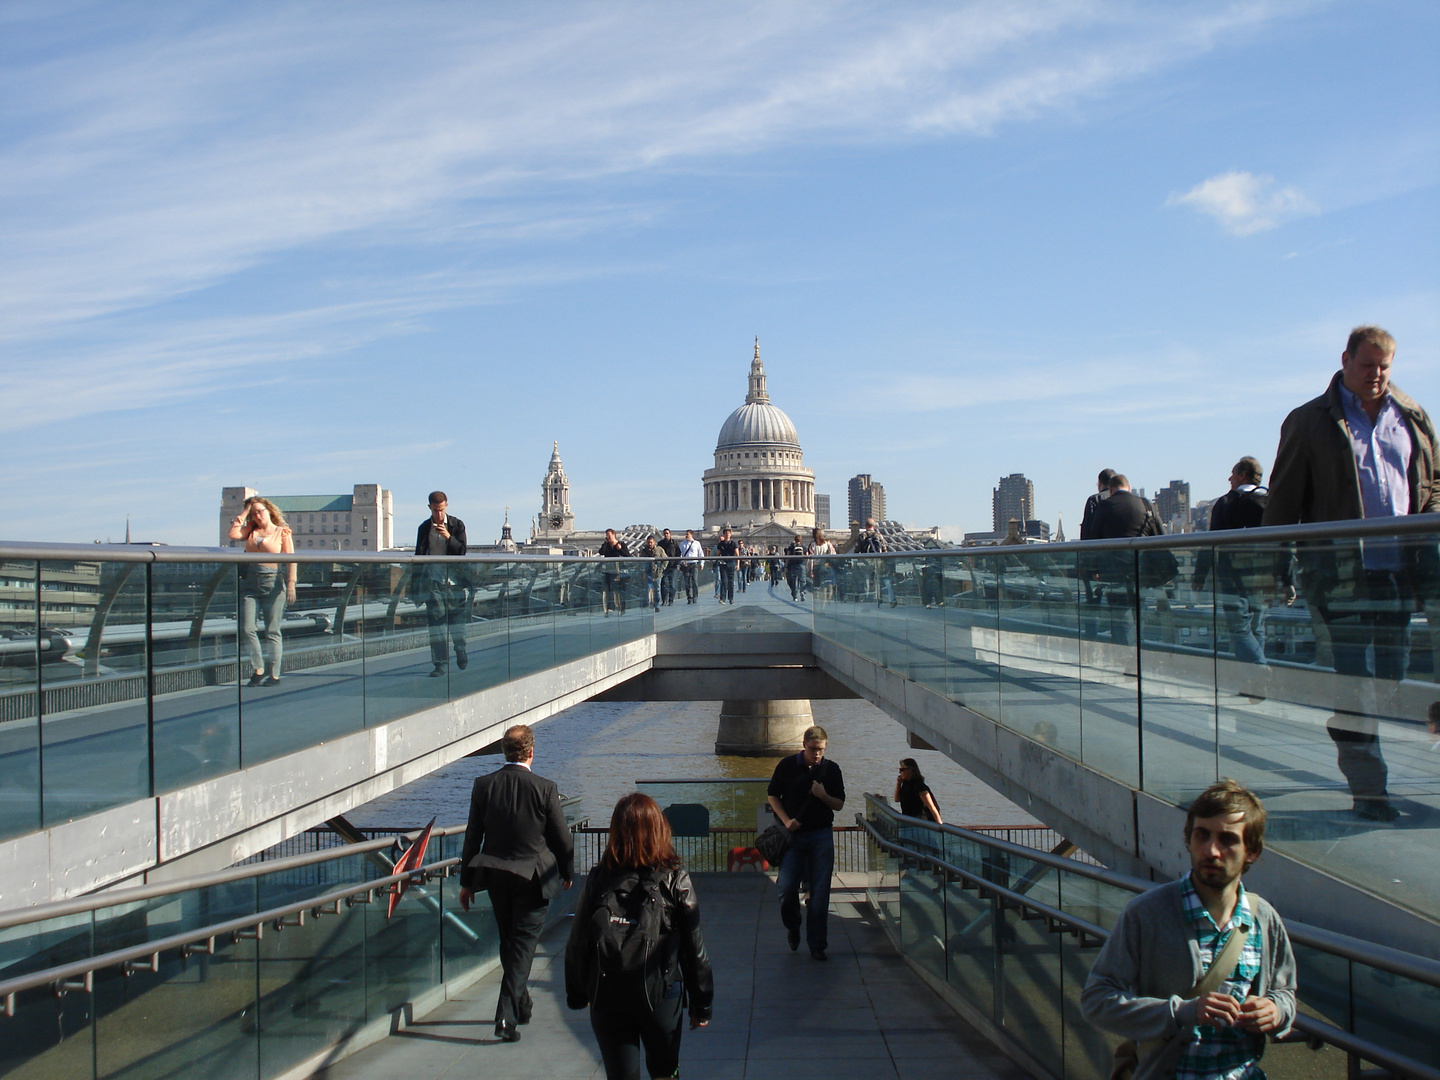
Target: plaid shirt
x: 1222, y: 1053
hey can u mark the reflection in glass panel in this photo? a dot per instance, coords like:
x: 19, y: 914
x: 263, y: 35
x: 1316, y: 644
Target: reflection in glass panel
x: 397, y: 651
x: 312, y: 981
x: 972, y: 636
x: 1030, y: 987
x: 95, y: 729
x: 319, y: 695
x: 1108, y: 664
x: 1396, y: 1012
x: 403, y: 951
x: 1039, y: 648
x: 923, y: 598
x: 922, y: 917
x: 1177, y: 678
x: 22, y: 657
x: 970, y: 945
x: 194, y: 1016
x: 196, y: 640
x: 48, y: 1036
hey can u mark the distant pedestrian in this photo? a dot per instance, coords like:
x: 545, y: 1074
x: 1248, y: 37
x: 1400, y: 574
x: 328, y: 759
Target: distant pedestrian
x: 636, y: 955
x: 612, y: 594
x: 1123, y: 514
x: 262, y: 526
x: 1091, y: 566
x: 870, y: 542
x: 1092, y: 504
x: 913, y: 795
x: 805, y: 791
x: 1362, y: 449
x: 671, y: 547
x: 822, y: 570
x: 691, y: 557
x: 1241, y: 576
x: 725, y: 565
x: 441, y: 586
x: 795, y: 568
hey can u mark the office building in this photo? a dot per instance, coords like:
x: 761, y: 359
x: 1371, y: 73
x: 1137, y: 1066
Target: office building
x: 361, y: 521
x: 867, y: 499
x: 1013, y: 500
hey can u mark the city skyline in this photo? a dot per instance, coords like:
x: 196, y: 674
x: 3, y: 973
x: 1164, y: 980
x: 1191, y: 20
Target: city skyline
x: 296, y: 248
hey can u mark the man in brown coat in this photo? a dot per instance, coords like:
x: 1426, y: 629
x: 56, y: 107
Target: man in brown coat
x: 1362, y: 449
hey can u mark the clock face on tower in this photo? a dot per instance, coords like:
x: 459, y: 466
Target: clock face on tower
x: 556, y: 521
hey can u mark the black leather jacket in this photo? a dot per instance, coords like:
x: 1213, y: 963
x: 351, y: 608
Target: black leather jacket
x: 681, y: 953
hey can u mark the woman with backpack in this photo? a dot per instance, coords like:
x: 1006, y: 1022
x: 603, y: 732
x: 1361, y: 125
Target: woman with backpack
x: 635, y: 954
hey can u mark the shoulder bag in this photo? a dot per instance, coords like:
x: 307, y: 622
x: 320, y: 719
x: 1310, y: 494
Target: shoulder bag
x: 1131, y: 1056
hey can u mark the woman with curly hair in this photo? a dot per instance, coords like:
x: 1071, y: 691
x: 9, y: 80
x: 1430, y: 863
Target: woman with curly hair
x: 262, y: 526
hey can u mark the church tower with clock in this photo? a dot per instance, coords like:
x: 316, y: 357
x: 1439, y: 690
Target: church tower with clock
x: 556, y: 520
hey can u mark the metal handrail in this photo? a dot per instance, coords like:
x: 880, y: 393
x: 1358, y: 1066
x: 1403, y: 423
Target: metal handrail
x: 1420, y: 969
x: 113, y: 898
x: 1061, y: 921
x: 62, y: 977
x: 1408, y: 525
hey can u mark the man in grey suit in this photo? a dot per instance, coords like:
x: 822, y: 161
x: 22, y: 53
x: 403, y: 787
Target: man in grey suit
x: 517, y: 848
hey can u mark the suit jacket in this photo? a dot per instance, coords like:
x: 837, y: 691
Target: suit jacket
x: 516, y: 825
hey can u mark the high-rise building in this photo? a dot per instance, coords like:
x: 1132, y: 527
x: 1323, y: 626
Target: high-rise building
x: 1014, y: 500
x: 361, y: 521
x: 822, y: 511
x: 867, y: 499
x: 1173, y: 501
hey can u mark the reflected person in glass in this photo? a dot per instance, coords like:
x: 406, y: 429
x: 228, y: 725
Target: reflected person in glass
x: 1241, y: 576
x: 441, y: 587
x: 262, y: 526
x: 1362, y: 449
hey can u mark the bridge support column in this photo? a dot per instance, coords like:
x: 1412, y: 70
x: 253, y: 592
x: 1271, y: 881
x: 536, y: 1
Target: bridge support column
x: 762, y: 728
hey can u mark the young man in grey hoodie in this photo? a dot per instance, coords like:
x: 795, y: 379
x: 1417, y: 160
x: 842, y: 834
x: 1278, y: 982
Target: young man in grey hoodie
x: 1142, y: 984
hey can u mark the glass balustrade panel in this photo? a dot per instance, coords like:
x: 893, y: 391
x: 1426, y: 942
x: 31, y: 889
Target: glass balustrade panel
x: 1110, y: 674
x: 1039, y: 648
x: 1179, y: 744
x: 972, y: 635
x: 407, y: 659
x: 922, y: 916
x: 95, y: 724
x: 24, y: 654
x: 195, y: 636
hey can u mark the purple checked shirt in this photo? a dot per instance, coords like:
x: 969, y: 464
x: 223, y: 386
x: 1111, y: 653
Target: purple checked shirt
x: 1382, y: 459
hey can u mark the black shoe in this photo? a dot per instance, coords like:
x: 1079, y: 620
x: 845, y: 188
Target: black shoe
x: 257, y: 679
x: 438, y: 671
x: 507, y: 1032
x: 462, y: 659
x: 794, y: 936
x: 273, y: 680
x: 1375, y: 810
x: 817, y: 952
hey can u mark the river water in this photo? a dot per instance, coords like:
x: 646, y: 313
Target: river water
x: 598, y: 750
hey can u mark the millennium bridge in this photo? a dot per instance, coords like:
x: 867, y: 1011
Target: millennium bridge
x: 147, y: 928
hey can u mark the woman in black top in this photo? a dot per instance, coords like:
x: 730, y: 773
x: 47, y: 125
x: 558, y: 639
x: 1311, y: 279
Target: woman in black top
x: 631, y: 1008
x: 913, y: 794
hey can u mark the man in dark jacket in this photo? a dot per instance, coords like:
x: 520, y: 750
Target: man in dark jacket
x: 518, y: 848
x: 440, y: 586
x: 1362, y: 449
x: 806, y: 790
x: 795, y: 568
x: 671, y: 547
x: 1124, y: 514
x: 1241, y: 577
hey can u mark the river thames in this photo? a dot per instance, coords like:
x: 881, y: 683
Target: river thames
x: 596, y: 751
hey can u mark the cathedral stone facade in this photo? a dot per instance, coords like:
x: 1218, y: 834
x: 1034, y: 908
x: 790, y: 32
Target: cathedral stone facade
x: 759, y: 478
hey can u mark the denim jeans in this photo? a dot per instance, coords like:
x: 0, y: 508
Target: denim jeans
x: 725, y: 576
x: 262, y: 589
x: 689, y: 569
x: 811, y: 859
x: 446, y: 607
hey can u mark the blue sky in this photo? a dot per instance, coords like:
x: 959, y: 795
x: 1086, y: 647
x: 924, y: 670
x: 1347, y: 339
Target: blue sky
x: 306, y: 246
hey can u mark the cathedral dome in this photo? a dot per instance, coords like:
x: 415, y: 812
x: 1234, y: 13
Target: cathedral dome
x: 758, y: 422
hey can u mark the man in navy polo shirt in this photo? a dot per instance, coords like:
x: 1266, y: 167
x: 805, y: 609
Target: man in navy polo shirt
x: 805, y: 791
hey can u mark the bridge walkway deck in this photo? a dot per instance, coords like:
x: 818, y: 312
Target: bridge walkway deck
x: 862, y: 1015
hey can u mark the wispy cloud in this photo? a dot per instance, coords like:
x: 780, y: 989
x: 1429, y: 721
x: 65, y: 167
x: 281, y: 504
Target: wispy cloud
x: 167, y: 155
x: 1244, y: 203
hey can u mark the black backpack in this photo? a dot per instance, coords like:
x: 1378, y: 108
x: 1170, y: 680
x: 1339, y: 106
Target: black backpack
x: 627, y: 926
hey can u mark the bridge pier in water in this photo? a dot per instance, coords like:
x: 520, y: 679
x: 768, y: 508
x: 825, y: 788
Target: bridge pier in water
x: 762, y: 728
